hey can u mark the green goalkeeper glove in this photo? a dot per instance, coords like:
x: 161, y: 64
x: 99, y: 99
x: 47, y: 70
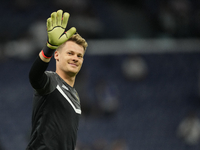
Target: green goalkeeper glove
x: 56, y: 25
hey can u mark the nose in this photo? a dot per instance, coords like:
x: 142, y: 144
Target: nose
x: 75, y: 58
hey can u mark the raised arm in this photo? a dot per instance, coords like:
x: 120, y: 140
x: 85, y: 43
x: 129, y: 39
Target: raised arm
x: 56, y: 26
x: 37, y: 77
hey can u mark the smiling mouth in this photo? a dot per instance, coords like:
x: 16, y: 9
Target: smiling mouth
x: 72, y: 64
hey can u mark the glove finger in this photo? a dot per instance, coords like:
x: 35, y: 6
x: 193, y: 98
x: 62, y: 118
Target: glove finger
x: 65, y: 20
x: 59, y: 17
x: 49, y: 24
x: 68, y: 34
x: 53, y: 17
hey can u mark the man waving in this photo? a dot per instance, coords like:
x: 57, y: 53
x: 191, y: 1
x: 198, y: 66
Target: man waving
x: 56, y: 105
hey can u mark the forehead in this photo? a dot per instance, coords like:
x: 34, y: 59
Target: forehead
x: 72, y: 46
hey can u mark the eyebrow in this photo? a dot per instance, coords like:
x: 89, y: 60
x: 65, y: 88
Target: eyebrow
x: 75, y: 52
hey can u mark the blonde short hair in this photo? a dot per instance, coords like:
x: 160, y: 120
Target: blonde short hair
x: 79, y: 40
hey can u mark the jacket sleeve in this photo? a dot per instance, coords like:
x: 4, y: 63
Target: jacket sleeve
x: 37, y: 76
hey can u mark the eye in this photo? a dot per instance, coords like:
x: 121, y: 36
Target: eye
x: 70, y: 53
x: 80, y: 56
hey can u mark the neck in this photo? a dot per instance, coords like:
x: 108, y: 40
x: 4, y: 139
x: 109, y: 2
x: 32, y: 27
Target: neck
x: 68, y: 78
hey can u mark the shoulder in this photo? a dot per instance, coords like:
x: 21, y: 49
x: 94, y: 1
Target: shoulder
x: 53, y: 76
x: 50, y: 73
x: 50, y: 83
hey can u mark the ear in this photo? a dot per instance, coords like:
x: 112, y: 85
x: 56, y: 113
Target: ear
x: 56, y: 54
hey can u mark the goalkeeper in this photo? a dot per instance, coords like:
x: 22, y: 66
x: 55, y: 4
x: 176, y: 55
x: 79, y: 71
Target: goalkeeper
x: 56, y: 105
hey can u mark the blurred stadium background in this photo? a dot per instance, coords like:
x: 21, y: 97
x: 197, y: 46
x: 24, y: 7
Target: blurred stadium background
x: 139, y: 81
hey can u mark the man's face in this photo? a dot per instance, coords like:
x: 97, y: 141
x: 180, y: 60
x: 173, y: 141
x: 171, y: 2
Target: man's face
x: 69, y: 58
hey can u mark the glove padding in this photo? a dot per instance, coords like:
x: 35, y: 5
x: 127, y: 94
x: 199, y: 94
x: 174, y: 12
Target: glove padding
x: 56, y: 25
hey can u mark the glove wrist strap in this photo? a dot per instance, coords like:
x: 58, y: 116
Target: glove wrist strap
x: 47, y: 52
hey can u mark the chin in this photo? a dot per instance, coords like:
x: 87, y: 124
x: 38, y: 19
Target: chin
x: 73, y: 72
